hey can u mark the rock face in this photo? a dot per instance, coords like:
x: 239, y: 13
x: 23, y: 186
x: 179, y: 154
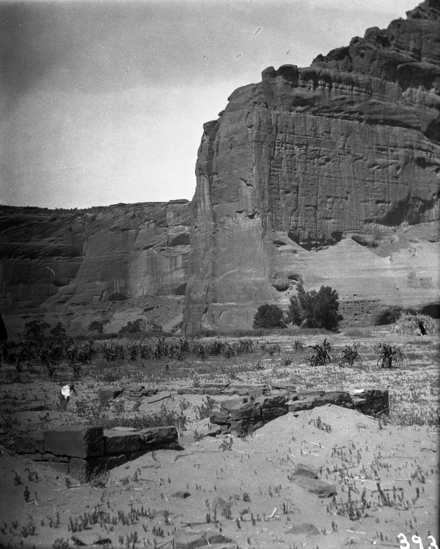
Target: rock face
x: 114, y: 253
x: 326, y: 175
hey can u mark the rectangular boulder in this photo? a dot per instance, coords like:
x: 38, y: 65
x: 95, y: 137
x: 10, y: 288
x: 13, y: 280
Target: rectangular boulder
x: 75, y: 441
x: 272, y: 413
x: 332, y: 397
x: 29, y: 443
x: 274, y: 401
x: 119, y: 442
x: 250, y: 410
x: 158, y: 435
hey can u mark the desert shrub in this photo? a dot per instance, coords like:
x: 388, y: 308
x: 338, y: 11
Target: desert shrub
x: 298, y: 346
x: 270, y: 349
x: 207, y: 408
x: 414, y: 323
x: 35, y: 329
x: 269, y: 316
x: 315, y: 309
x: 96, y: 326
x: 132, y: 327
x: 58, y: 330
x: 388, y: 354
x: 349, y: 355
x: 321, y: 354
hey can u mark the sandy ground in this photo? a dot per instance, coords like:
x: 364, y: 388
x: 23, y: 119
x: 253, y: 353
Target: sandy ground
x: 241, y: 490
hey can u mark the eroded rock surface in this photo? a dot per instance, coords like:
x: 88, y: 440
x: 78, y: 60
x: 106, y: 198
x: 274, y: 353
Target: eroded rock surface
x: 310, y: 157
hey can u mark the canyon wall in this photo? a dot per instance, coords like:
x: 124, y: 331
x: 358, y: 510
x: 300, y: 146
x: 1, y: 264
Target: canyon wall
x: 55, y: 258
x: 329, y: 175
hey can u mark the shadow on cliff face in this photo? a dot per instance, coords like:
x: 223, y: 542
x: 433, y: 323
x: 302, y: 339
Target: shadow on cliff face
x: 311, y: 243
x: 3, y: 331
x: 409, y: 209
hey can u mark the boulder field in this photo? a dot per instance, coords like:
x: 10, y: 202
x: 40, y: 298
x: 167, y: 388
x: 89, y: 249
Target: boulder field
x: 324, y: 175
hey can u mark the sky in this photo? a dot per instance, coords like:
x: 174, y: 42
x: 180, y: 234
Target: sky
x: 104, y: 102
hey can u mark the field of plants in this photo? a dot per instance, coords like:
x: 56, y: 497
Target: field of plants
x: 385, y: 469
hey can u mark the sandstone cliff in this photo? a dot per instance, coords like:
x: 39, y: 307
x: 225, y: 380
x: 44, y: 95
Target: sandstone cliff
x: 56, y: 259
x: 327, y: 174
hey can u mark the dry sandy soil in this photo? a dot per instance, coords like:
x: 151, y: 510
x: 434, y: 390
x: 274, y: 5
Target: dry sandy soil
x: 230, y: 492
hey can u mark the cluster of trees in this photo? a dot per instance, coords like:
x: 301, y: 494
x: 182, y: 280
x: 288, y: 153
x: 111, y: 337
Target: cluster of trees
x: 307, y: 309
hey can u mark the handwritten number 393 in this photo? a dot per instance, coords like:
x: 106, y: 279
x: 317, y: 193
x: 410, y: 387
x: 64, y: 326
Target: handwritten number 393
x: 404, y: 543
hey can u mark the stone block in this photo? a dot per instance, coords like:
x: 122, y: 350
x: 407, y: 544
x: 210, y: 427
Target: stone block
x: 332, y: 397
x: 300, y: 405
x: 158, y: 435
x: 191, y: 539
x: 220, y: 418
x: 310, y: 394
x: 118, y: 442
x: 314, y: 486
x: 29, y: 443
x: 272, y: 413
x: 233, y: 404
x: 250, y: 410
x: 107, y: 394
x: 75, y: 441
x: 305, y: 471
x: 274, y: 401
x: 303, y: 529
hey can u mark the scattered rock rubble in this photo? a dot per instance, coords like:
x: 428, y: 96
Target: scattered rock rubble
x: 83, y: 452
x: 242, y: 416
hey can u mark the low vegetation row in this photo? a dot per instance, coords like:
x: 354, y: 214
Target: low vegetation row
x: 51, y: 353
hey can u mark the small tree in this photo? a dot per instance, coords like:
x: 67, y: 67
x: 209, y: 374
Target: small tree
x: 269, y: 316
x: 315, y: 309
x: 35, y: 329
x: 96, y: 326
x: 132, y: 327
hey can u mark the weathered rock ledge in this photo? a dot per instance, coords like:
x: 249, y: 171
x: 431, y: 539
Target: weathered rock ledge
x: 83, y: 452
x: 242, y: 416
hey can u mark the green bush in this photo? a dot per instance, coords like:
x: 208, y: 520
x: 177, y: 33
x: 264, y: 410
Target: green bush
x: 269, y: 316
x: 315, y: 309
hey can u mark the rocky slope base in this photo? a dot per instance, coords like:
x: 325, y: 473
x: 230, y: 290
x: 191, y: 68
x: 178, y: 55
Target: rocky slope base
x: 327, y: 175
